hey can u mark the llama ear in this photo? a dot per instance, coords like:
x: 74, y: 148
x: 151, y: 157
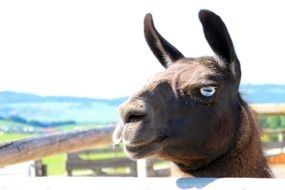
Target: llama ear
x: 220, y: 41
x: 162, y: 49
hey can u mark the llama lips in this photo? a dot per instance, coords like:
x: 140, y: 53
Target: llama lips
x: 145, y: 149
x: 157, y: 139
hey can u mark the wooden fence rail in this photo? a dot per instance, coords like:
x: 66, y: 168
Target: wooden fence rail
x: 47, y: 145
x: 269, y: 109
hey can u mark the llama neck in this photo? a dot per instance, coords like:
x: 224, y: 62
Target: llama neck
x: 244, y: 159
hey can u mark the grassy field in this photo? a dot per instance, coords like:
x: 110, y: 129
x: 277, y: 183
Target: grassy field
x: 55, y: 165
x: 12, y: 136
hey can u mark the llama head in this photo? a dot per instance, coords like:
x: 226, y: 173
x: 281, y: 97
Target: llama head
x: 188, y: 112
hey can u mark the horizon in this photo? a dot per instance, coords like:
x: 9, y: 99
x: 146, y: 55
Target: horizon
x: 97, y: 49
x: 242, y: 85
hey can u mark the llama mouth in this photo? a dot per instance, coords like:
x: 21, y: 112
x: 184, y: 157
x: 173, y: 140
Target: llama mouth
x: 145, y: 149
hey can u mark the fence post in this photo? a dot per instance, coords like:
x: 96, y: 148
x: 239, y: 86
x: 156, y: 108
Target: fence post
x: 281, y: 140
x: 40, y: 168
x: 142, y: 168
x: 280, y: 136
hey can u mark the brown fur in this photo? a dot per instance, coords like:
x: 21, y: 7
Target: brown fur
x: 245, y: 159
x: 170, y: 117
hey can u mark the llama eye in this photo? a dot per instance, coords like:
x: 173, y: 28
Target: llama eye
x: 208, y: 91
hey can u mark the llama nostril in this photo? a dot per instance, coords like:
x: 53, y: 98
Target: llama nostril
x: 134, y: 117
x: 135, y: 110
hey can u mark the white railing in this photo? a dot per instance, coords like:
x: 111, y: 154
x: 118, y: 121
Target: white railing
x: 126, y: 183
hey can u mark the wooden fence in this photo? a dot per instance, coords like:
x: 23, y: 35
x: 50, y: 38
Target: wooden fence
x: 276, y: 141
x: 269, y: 109
x: 117, y: 164
x: 84, y: 160
x: 47, y: 145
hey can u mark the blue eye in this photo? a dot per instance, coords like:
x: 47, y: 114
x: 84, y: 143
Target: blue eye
x: 208, y: 91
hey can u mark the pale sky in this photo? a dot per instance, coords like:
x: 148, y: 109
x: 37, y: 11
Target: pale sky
x: 97, y: 48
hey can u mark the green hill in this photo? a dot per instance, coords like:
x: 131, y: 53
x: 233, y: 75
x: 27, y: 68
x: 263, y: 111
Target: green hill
x: 58, y: 108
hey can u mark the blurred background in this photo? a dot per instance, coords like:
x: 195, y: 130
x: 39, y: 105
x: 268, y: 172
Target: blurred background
x: 69, y: 64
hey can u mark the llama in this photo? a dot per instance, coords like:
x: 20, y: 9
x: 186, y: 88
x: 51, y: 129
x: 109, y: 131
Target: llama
x: 192, y: 113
